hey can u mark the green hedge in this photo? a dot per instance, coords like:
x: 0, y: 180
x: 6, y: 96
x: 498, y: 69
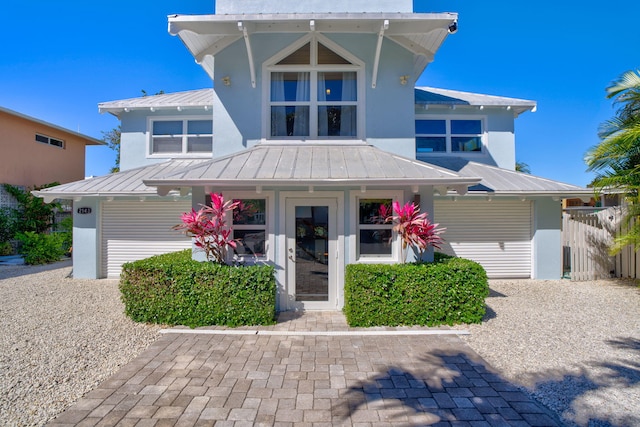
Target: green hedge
x: 173, y: 289
x: 449, y: 291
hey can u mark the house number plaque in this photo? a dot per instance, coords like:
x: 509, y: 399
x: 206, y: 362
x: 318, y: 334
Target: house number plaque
x: 84, y: 211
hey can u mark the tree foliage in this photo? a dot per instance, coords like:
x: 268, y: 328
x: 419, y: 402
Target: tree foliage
x: 523, y: 167
x: 616, y: 158
x: 112, y: 139
x: 32, y: 214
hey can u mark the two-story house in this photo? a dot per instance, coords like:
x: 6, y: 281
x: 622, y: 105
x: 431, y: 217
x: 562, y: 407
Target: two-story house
x: 35, y: 152
x: 314, y: 122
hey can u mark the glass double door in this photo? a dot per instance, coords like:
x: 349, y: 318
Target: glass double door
x: 311, y: 254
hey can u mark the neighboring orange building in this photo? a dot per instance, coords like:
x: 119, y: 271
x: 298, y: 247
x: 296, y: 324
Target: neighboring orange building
x: 34, y: 152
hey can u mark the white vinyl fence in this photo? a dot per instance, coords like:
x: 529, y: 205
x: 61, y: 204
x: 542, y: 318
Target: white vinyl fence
x: 587, y: 234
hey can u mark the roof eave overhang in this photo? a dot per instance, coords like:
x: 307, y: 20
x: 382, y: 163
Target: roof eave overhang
x: 207, y: 35
x: 516, y: 109
x: 560, y: 194
x: 49, y: 197
x: 460, y: 185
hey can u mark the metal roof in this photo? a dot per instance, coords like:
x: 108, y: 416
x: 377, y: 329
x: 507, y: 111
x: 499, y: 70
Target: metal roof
x: 496, y: 180
x: 431, y: 96
x: 199, y: 98
x: 89, y: 140
x: 125, y: 183
x: 315, y: 165
x: 321, y: 165
x: 206, y: 35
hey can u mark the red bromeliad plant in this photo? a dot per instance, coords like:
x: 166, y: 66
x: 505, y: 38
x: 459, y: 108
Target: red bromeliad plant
x: 415, y: 229
x: 208, y: 228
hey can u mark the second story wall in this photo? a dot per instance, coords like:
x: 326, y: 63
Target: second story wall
x: 179, y: 134
x: 242, y: 114
x: 495, y: 126
x: 34, y: 154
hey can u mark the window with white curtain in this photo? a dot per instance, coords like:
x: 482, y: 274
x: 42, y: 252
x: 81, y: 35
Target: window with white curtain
x: 313, y: 95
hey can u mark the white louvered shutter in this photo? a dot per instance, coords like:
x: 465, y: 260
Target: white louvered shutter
x: 496, y: 234
x: 133, y: 230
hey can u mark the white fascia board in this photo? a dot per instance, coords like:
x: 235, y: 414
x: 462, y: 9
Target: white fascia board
x: 226, y: 25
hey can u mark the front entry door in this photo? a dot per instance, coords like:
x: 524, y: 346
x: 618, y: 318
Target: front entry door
x: 311, y: 254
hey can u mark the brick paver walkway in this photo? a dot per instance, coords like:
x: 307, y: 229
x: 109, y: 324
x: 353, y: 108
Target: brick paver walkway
x: 311, y: 380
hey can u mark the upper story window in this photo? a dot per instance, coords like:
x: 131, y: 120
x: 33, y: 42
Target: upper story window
x: 314, y: 94
x: 181, y: 137
x: 448, y: 136
x: 49, y: 140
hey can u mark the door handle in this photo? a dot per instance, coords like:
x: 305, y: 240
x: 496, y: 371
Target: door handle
x: 291, y: 255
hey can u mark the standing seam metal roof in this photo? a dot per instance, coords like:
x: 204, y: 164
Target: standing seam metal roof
x: 266, y: 164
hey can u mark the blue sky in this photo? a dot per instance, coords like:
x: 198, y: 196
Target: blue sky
x: 60, y: 59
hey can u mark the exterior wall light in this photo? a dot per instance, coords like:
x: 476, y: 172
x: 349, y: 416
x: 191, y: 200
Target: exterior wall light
x: 226, y: 80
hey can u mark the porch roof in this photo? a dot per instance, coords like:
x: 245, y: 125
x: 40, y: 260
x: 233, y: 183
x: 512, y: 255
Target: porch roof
x: 501, y: 181
x: 125, y: 183
x: 312, y: 165
x: 206, y: 35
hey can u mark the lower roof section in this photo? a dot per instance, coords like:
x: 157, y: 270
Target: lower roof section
x: 125, y: 183
x: 309, y: 165
x: 272, y: 166
x: 500, y: 181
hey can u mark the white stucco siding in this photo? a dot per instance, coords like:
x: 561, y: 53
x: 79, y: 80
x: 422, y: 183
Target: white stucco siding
x: 133, y: 230
x: 497, y: 234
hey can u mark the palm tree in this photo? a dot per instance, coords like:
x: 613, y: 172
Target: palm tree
x: 523, y: 167
x: 616, y: 159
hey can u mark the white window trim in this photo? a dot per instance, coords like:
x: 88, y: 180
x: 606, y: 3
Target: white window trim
x: 184, y: 153
x: 270, y: 237
x: 354, y: 255
x: 49, y: 138
x: 448, y: 135
x: 356, y: 66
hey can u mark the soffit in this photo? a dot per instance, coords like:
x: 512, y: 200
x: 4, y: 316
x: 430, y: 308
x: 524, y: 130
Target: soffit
x: 207, y: 35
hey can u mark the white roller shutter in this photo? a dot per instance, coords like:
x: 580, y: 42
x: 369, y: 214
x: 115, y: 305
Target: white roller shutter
x: 133, y: 230
x: 496, y: 234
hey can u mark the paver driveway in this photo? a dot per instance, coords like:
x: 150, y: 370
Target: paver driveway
x: 296, y: 373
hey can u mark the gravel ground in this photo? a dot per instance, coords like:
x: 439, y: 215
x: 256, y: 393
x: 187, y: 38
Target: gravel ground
x: 59, y: 338
x: 574, y: 346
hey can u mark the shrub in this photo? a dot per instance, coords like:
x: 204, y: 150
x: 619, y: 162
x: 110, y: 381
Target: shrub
x: 446, y: 292
x: 40, y: 248
x: 33, y: 214
x: 173, y: 289
x: 439, y: 256
x: 6, y: 248
x: 65, y: 229
x: 7, y: 225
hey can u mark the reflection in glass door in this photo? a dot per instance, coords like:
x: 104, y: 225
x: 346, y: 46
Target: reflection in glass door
x: 312, y: 253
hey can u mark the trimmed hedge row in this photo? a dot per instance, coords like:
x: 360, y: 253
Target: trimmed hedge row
x: 449, y: 291
x: 173, y: 289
